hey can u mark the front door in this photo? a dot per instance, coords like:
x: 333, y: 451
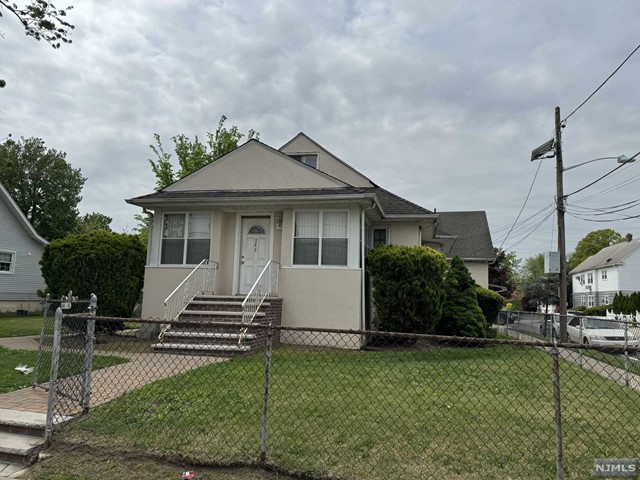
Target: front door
x: 254, y: 250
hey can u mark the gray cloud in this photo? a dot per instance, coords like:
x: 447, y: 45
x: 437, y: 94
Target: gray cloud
x: 440, y: 102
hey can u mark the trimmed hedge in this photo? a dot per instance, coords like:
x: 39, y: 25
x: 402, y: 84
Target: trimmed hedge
x: 111, y: 265
x: 408, y: 287
x: 598, y: 311
x: 490, y: 303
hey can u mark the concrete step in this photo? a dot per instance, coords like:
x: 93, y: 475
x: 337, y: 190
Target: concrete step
x: 18, y: 448
x: 204, y: 349
x: 229, y: 298
x: 25, y: 423
x: 220, y: 302
x: 206, y: 335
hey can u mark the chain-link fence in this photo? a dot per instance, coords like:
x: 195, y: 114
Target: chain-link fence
x: 347, y: 404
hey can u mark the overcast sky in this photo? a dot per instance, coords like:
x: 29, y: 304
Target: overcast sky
x: 440, y: 102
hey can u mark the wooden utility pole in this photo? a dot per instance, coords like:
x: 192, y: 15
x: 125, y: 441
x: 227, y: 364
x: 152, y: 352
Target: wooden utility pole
x: 562, y: 295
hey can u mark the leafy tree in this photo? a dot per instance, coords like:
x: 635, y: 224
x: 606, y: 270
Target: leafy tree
x: 503, y: 271
x: 461, y: 314
x: 43, y: 184
x: 591, y: 244
x: 93, y: 221
x: 142, y: 229
x: 532, y: 269
x: 41, y: 20
x: 541, y: 291
x: 111, y: 265
x: 408, y: 287
x: 193, y: 155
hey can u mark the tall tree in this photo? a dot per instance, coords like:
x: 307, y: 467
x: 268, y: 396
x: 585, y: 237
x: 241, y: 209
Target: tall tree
x: 502, y: 272
x: 91, y: 222
x: 193, y: 155
x: 43, y: 184
x: 41, y: 20
x: 591, y: 244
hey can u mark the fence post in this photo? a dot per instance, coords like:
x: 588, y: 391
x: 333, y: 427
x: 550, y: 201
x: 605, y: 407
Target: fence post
x: 88, y: 355
x: 626, y: 353
x: 45, y: 316
x: 557, y: 411
x: 265, y: 401
x: 53, y: 377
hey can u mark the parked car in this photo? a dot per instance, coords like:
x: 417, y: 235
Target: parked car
x: 550, y: 326
x: 599, y: 331
x: 505, y: 316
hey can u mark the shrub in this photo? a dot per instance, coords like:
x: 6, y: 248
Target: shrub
x: 408, y: 287
x: 461, y: 314
x: 597, y: 311
x: 111, y: 265
x: 579, y: 308
x: 490, y: 303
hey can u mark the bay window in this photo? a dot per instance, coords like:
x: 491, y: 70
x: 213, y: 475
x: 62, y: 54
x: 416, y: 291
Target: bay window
x: 321, y: 238
x: 186, y: 238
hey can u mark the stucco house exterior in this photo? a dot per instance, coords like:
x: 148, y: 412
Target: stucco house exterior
x: 20, y: 252
x: 614, y: 269
x: 300, y: 206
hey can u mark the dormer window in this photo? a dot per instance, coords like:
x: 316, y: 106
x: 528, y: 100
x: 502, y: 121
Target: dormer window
x: 310, y: 159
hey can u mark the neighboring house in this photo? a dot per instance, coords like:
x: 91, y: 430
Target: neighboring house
x: 300, y: 206
x: 20, y: 251
x: 465, y: 235
x: 614, y: 269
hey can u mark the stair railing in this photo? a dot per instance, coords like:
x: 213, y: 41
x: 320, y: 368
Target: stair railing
x: 201, y: 279
x: 265, y: 285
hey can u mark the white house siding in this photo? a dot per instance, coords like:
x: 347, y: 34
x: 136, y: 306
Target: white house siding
x: 479, y: 272
x: 322, y: 298
x: 20, y: 286
x: 405, y: 233
x: 629, y: 273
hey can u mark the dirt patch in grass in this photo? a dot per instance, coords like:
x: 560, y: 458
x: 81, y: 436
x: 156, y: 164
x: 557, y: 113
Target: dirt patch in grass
x: 66, y: 461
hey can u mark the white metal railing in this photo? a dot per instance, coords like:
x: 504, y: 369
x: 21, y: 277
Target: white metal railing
x: 265, y: 285
x: 202, y: 279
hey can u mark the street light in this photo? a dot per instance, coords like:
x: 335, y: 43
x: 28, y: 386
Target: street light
x: 619, y: 158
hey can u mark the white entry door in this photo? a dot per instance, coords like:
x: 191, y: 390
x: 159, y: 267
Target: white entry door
x: 254, y: 250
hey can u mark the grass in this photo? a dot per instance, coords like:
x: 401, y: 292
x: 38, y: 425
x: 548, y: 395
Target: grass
x: 71, y: 364
x: 20, y: 326
x: 475, y: 413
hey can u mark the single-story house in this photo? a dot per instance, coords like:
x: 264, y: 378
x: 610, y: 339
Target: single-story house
x: 20, y: 251
x: 614, y: 269
x: 302, y: 207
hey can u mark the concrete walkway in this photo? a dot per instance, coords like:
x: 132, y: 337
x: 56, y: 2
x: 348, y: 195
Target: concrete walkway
x: 597, y: 366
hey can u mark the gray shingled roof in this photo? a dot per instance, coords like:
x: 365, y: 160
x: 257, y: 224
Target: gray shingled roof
x: 469, y: 232
x: 391, y: 204
x: 608, y: 256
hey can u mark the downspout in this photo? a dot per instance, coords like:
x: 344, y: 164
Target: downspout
x: 362, y: 242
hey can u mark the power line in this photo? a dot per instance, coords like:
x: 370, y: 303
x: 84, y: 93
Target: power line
x: 602, y: 84
x: 603, y: 176
x: 532, y: 230
x: 523, y: 205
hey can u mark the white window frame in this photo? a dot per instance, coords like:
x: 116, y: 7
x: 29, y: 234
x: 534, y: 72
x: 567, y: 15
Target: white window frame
x: 185, y: 239
x: 320, y: 227
x: 591, y: 301
x: 590, y: 277
x: 373, y: 235
x: 12, y: 265
x: 604, y: 274
x: 306, y: 154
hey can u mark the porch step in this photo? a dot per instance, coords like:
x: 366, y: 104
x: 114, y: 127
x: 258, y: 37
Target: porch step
x: 19, y: 448
x: 207, y: 335
x: 221, y: 302
x: 216, y: 313
x: 211, y: 349
x: 228, y: 298
x: 25, y: 423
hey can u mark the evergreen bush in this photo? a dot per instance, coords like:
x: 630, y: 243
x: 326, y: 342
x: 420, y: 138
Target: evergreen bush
x: 111, y: 265
x: 408, y: 287
x: 490, y: 303
x: 461, y: 314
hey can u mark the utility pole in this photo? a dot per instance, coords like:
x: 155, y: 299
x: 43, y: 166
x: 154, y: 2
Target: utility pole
x: 562, y: 295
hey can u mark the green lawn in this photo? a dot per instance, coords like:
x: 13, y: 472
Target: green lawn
x: 455, y: 413
x: 20, y: 326
x: 11, y: 379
